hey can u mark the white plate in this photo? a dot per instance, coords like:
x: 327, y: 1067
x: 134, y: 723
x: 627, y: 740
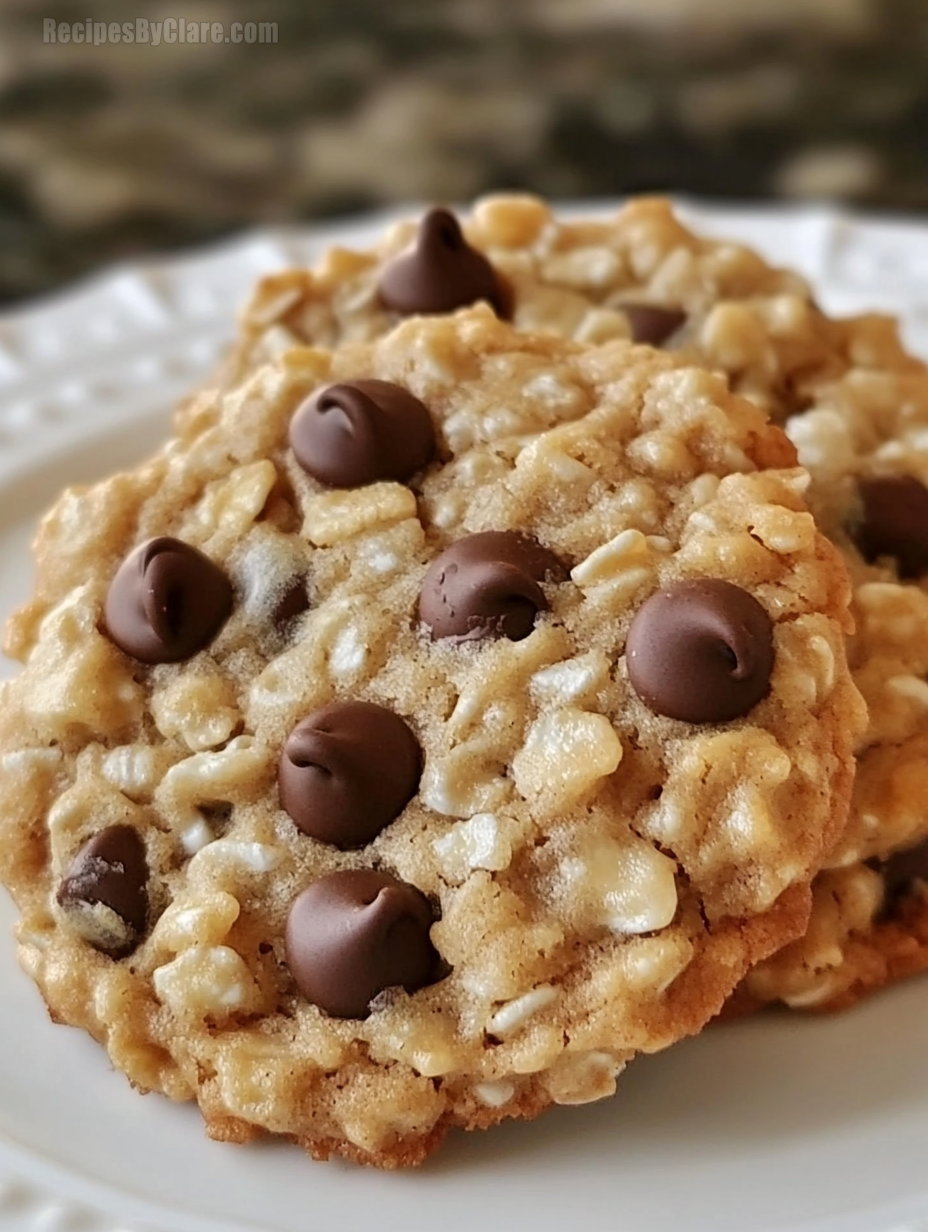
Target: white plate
x: 784, y: 1123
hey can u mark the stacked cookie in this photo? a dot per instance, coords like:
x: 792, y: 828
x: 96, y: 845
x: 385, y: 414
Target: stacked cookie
x: 855, y: 405
x: 465, y: 699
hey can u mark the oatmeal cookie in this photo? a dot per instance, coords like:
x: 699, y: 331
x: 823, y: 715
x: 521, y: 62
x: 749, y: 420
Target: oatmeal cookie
x: 641, y: 275
x: 851, y: 398
x: 868, y: 928
x: 865, y: 440
x: 431, y: 726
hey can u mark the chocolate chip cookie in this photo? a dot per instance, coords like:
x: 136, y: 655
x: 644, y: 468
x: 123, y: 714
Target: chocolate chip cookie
x: 864, y: 440
x: 431, y: 726
x: 641, y: 275
x: 852, y: 399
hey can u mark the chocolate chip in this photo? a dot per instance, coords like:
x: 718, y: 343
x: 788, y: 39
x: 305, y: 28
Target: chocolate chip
x: 487, y: 585
x: 903, y: 869
x: 352, y: 934
x: 109, y: 871
x: 293, y: 602
x: 359, y: 432
x: 651, y: 324
x: 347, y: 771
x: 441, y: 272
x: 166, y: 602
x: 894, y: 522
x: 701, y: 651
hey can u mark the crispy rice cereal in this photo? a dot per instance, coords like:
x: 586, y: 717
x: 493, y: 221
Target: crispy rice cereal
x: 577, y: 876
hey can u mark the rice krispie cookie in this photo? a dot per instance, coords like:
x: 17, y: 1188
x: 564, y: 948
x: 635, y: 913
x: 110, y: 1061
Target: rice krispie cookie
x: 429, y: 727
x: 852, y: 399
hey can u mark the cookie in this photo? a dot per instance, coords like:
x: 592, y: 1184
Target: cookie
x: 852, y: 399
x: 361, y: 807
x: 864, y: 442
x: 868, y: 928
x: 641, y: 275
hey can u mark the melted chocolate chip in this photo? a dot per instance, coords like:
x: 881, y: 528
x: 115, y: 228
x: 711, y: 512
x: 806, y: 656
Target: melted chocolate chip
x: 359, y: 432
x: 347, y: 771
x: 903, y: 869
x: 651, y: 324
x: 701, y: 651
x: 441, y: 272
x: 352, y: 934
x: 110, y: 870
x: 895, y: 522
x: 166, y: 602
x: 487, y: 585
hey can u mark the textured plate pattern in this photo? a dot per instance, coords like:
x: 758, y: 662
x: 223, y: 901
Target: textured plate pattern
x: 103, y: 364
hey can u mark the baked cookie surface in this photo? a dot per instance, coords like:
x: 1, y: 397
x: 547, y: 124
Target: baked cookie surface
x: 362, y: 806
x: 641, y: 275
x: 851, y: 398
x: 864, y: 441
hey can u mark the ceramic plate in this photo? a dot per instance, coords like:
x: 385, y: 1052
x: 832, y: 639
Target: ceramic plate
x: 783, y: 1124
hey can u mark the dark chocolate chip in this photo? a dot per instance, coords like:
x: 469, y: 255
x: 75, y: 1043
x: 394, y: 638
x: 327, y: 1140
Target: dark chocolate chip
x: 651, y: 324
x: 487, y: 585
x: 441, y: 272
x: 359, y: 432
x: 166, y: 602
x: 347, y: 771
x: 701, y: 651
x: 894, y: 522
x: 110, y: 870
x: 903, y: 869
x: 293, y: 602
x: 352, y: 934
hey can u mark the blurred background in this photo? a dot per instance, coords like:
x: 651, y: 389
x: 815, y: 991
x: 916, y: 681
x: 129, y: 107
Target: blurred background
x: 119, y: 149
